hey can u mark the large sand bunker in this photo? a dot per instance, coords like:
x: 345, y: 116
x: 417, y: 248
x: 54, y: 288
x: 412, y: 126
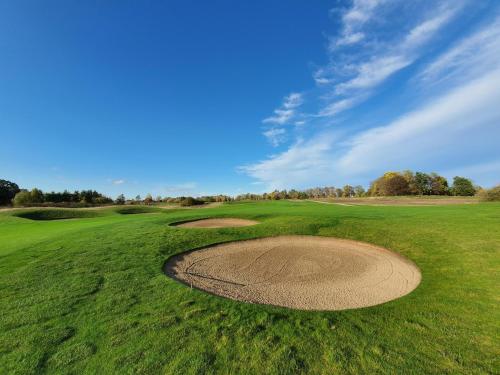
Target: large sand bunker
x: 300, y: 272
x: 217, y: 223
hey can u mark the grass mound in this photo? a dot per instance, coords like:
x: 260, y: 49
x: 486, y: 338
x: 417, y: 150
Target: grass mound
x: 136, y: 210
x: 55, y: 214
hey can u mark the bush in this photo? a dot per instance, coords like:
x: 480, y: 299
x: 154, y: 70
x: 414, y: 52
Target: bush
x: 490, y: 195
x: 28, y: 198
x: 190, y: 201
x: 23, y: 198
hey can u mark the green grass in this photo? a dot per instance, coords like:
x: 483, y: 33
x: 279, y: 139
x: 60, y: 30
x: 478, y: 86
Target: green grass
x: 88, y: 296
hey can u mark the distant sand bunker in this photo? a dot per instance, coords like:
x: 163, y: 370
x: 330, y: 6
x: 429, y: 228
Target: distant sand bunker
x: 300, y: 272
x: 218, y: 223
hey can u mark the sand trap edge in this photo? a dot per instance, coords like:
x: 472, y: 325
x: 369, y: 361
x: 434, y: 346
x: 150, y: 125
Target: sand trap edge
x: 171, y: 274
x: 225, y: 222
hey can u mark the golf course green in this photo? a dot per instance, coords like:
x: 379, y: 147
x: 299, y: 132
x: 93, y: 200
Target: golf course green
x: 83, y: 291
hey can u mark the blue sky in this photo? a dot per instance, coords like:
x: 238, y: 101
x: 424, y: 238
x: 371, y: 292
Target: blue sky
x: 195, y: 97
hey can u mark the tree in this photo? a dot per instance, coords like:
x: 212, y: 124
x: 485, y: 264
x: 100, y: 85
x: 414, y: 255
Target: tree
x: 409, y: 176
x: 422, y: 183
x: 462, y: 186
x: 120, y: 199
x: 348, y: 191
x: 36, y: 195
x: 359, y: 191
x: 102, y: 200
x: 8, y: 191
x: 391, y: 183
x: 438, y: 185
x: 148, y: 199
x: 275, y: 195
x: 137, y: 198
x: 190, y: 201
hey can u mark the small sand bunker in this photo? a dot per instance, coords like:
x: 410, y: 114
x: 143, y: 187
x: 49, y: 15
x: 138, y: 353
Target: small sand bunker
x: 217, y: 223
x: 300, y: 272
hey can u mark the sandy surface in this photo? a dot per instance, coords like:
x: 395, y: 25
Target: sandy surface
x: 300, y: 272
x: 217, y: 223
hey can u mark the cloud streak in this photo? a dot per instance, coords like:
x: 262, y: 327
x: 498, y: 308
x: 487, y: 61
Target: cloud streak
x: 275, y: 136
x: 285, y: 114
x: 353, y: 20
x: 467, y: 58
x: 365, y: 75
x: 287, y: 111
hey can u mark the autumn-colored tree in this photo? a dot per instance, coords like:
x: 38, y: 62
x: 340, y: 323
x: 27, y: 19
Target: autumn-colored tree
x: 438, y: 185
x: 409, y: 176
x: 348, y: 191
x: 391, y: 183
x: 148, y: 200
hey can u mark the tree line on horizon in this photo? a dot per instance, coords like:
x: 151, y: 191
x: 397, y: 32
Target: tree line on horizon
x: 389, y: 184
x: 10, y: 193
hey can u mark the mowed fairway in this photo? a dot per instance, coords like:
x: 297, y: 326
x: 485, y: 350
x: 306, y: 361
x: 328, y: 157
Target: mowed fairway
x: 88, y: 295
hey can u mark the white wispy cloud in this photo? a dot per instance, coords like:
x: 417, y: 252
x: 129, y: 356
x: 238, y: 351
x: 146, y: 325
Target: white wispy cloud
x: 468, y: 57
x: 302, y: 162
x: 287, y: 111
x: 378, y: 68
x: 118, y: 182
x: 353, y: 19
x: 285, y: 114
x: 430, y: 131
x: 336, y: 107
x: 275, y: 136
x: 353, y: 77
